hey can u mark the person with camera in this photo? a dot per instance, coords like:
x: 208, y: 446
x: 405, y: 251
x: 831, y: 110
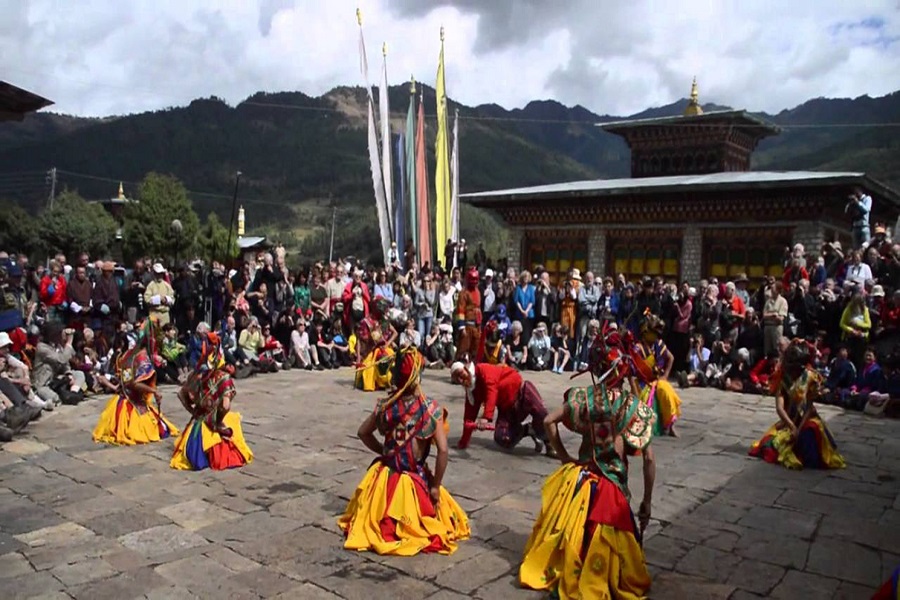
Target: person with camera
x: 54, y: 380
x: 775, y: 312
x: 858, y: 209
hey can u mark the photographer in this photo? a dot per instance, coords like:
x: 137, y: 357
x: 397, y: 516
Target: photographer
x: 54, y: 381
x: 858, y: 209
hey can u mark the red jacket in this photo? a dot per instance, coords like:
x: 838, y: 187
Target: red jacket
x: 347, y: 300
x: 496, y: 386
x: 59, y: 293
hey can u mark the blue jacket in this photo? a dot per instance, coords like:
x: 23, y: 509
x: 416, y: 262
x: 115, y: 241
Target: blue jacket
x: 524, y: 297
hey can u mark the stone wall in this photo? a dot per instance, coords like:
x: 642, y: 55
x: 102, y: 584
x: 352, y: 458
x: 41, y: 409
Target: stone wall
x: 596, y: 259
x: 811, y: 234
x: 514, y: 246
x: 691, y: 254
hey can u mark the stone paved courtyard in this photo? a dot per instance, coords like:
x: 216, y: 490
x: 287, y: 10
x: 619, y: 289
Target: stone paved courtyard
x: 84, y: 521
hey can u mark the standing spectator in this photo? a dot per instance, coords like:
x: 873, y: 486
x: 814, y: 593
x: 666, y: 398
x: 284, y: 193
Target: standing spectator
x: 318, y: 298
x: 446, y: 300
x: 383, y: 288
x: 159, y: 296
x: 53, y: 292
x: 740, y: 285
x: 681, y: 329
x: 588, y: 301
x: 855, y: 325
x: 302, y: 301
x: 79, y: 291
x: 568, y: 308
x: 774, y: 314
x: 608, y: 307
x: 859, y: 207
x: 488, y: 296
x: 858, y: 272
x: 544, y: 300
x: 133, y: 295
x: 106, y: 299
x: 523, y: 299
x: 424, y: 305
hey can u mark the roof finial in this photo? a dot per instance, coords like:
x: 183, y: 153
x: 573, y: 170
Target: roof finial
x: 121, y: 191
x: 359, y: 17
x: 693, y: 107
x: 412, y: 84
x: 442, y: 33
x: 384, y: 48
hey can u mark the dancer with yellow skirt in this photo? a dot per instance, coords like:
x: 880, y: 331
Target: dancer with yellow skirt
x: 653, y: 362
x: 800, y: 439
x: 213, y: 438
x: 375, y: 339
x: 585, y: 544
x: 400, y: 508
x: 134, y: 415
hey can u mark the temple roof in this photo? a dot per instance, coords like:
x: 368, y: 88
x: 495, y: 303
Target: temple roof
x: 15, y: 102
x: 741, y: 180
x: 737, y: 117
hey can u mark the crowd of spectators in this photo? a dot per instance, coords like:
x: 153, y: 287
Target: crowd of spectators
x: 62, y: 324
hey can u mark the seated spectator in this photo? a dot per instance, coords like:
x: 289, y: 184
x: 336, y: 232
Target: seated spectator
x: 324, y: 344
x: 410, y: 335
x: 439, y: 348
x: 272, y: 354
x: 761, y: 373
x: 251, y: 341
x: 870, y: 379
x: 698, y: 360
x: 175, y: 353
x: 751, y: 335
x: 302, y: 354
x: 841, y: 376
x: 517, y: 356
x: 494, y: 349
x: 887, y: 401
x: 54, y: 380
x: 581, y: 361
x: 559, y: 344
x: 737, y: 379
x: 540, y: 351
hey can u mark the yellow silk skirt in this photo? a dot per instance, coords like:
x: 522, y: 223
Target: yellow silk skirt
x: 814, y: 447
x: 122, y: 423
x: 613, y: 565
x: 392, y: 513
x: 373, y: 376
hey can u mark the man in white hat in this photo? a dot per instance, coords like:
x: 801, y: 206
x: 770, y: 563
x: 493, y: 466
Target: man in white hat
x: 500, y: 387
x: 159, y: 296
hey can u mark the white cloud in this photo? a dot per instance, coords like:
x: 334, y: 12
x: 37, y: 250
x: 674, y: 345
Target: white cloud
x: 99, y: 57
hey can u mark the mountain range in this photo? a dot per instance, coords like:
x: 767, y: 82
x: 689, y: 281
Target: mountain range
x: 300, y: 155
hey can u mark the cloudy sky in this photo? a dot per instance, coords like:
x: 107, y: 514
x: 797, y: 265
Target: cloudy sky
x: 101, y: 57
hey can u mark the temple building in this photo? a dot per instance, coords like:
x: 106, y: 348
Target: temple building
x: 15, y: 102
x: 692, y: 207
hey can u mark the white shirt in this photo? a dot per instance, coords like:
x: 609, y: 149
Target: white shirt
x: 299, y: 341
x: 490, y: 299
x: 859, y: 274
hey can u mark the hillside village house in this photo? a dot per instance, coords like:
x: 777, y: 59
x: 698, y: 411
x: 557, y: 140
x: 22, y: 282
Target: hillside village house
x: 692, y: 208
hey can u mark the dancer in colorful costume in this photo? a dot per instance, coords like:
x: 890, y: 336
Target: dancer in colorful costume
x: 800, y: 439
x: 501, y: 387
x: 375, y: 339
x: 890, y: 590
x: 468, y: 317
x: 134, y: 415
x: 400, y: 507
x: 653, y: 362
x: 585, y: 543
x: 213, y: 438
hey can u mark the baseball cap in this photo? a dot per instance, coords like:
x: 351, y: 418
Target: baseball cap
x: 158, y: 268
x: 489, y: 273
x: 4, y: 339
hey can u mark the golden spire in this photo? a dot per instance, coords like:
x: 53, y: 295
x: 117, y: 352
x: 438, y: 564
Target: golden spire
x: 693, y: 108
x: 241, y: 222
x: 121, y: 191
x: 412, y: 84
x: 442, y: 33
x: 359, y: 17
x: 384, y: 48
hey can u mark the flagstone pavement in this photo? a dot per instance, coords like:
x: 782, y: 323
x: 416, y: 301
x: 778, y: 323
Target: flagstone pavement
x: 90, y: 522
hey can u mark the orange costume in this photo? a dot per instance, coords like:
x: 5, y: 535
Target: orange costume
x: 468, y: 317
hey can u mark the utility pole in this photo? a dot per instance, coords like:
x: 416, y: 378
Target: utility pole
x: 333, y: 219
x: 51, y: 178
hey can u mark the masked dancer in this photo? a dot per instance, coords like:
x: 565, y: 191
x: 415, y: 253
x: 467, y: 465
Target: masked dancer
x: 375, y: 338
x: 468, y: 317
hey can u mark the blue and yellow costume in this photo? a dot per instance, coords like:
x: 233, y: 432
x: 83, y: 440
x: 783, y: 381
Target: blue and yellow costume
x: 391, y: 511
x: 213, y: 438
x: 132, y: 417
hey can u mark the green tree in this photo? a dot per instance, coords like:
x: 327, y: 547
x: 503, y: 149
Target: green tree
x: 74, y: 225
x: 148, y: 227
x: 212, y: 241
x: 19, y: 231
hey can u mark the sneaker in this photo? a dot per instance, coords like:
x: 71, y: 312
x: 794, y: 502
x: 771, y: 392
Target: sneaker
x: 38, y: 403
x: 319, y: 367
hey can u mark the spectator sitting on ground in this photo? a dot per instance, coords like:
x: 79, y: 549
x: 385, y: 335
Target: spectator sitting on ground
x: 540, y: 351
x: 737, y: 379
x: 841, y: 376
x: 517, y: 354
x: 761, y: 373
x: 301, y: 352
x: 698, y: 359
x: 559, y: 345
x: 870, y: 379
